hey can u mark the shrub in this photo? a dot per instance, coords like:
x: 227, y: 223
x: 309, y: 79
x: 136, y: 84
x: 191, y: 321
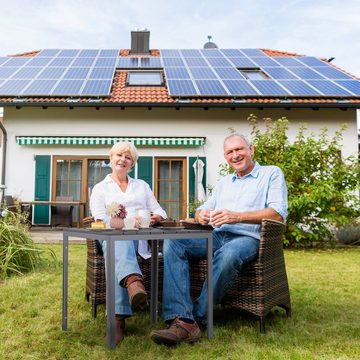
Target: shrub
x: 18, y: 253
x: 322, y: 186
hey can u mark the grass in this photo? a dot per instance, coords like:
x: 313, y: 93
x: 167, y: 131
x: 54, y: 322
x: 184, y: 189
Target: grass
x: 325, y: 324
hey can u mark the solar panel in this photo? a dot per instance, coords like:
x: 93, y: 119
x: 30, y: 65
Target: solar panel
x: 202, y: 73
x: 17, y: 61
x: 52, y: 73
x: 217, y: 61
x: 351, y: 85
x: 128, y: 63
x: 13, y: 87
x: 287, y: 61
x: 177, y: 73
x: 6, y: 72
x: 105, y: 62
x: 242, y: 62
x: 151, y: 63
x: 83, y: 61
x: 240, y: 87
x: 299, y: 88
x: 61, y: 61
x: 264, y: 61
x: 229, y: 73
x: 195, y: 61
x: 311, y: 61
x: 76, y: 73
x: 39, y: 61
x: 190, y: 53
x: 173, y: 62
x: 279, y: 73
x: 68, y: 53
x: 306, y: 73
x: 97, y: 87
x: 181, y: 87
x: 48, y: 52
x: 27, y: 73
x: 68, y: 87
x: 329, y: 88
x: 169, y: 53
x: 332, y: 73
x: 231, y: 52
x: 210, y: 87
x: 92, y: 53
x: 39, y: 87
x: 269, y: 87
x: 102, y: 73
x: 109, y: 53
x: 3, y: 60
x: 209, y: 53
x: 253, y: 52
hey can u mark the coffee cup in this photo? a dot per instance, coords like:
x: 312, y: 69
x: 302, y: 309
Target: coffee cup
x: 211, y: 219
x: 144, y: 218
x: 129, y: 223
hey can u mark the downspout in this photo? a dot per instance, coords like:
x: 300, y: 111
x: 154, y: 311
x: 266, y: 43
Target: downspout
x: 3, y: 167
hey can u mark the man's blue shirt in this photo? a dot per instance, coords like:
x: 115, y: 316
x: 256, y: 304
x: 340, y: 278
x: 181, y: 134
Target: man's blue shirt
x: 263, y: 187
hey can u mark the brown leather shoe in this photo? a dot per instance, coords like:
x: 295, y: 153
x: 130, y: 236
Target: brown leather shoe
x: 119, y: 329
x: 136, y: 291
x: 177, y: 332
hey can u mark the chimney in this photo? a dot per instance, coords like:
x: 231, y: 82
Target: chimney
x: 140, y: 42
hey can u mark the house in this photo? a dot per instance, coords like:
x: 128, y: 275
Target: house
x: 64, y: 108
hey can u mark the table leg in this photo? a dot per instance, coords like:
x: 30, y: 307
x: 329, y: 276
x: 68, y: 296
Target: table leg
x: 154, y: 284
x: 65, y: 281
x: 210, y: 287
x: 110, y: 293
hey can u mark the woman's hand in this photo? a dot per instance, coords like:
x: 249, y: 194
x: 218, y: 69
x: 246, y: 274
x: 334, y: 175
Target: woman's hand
x: 155, y: 218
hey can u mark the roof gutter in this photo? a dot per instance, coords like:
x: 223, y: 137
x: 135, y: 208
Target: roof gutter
x: 181, y: 104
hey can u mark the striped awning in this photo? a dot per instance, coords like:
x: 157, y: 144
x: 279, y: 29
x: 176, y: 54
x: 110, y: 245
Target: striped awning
x: 105, y: 140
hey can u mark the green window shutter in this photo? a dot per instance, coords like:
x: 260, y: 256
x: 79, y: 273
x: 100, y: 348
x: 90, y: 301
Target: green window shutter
x: 145, y: 169
x: 131, y: 173
x: 191, y: 178
x: 42, y: 188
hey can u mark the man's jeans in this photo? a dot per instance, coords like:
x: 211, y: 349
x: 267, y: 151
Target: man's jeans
x: 125, y: 264
x: 231, y: 252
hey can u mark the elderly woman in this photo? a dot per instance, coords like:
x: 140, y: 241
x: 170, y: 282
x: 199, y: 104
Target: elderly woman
x: 135, y: 195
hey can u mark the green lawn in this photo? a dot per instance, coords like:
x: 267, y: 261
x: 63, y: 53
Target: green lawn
x: 325, y: 322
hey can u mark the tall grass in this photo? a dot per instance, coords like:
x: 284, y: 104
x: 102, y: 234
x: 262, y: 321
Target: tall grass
x: 18, y: 253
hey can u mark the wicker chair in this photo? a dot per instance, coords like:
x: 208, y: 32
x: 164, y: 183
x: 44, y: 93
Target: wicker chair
x: 261, y: 285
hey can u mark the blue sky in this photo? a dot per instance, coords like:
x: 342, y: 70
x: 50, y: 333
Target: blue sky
x: 319, y: 28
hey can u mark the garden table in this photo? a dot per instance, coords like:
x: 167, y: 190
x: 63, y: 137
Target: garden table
x: 152, y: 234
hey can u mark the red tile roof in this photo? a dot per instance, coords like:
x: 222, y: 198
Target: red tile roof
x: 123, y: 95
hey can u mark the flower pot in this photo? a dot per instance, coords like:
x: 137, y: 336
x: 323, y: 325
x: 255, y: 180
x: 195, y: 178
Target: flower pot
x: 116, y: 223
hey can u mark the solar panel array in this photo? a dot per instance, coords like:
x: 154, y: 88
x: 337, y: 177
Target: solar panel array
x: 54, y: 72
x: 188, y: 73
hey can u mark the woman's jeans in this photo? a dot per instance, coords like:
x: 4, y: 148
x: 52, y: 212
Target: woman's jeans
x: 125, y: 264
x: 230, y: 253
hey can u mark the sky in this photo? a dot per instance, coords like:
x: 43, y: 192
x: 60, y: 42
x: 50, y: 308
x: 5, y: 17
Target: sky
x: 318, y: 28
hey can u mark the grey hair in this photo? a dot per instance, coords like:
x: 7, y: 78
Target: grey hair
x: 241, y: 136
x: 123, y: 146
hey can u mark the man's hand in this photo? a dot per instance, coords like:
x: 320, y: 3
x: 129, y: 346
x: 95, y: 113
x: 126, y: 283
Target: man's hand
x: 202, y: 217
x: 220, y: 217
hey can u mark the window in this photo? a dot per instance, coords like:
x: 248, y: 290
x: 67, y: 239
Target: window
x: 144, y: 78
x: 253, y: 74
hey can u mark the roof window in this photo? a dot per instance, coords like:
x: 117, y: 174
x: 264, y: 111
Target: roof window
x: 253, y: 74
x: 145, y: 78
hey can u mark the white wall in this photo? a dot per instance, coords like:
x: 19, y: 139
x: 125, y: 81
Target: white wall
x: 213, y: 124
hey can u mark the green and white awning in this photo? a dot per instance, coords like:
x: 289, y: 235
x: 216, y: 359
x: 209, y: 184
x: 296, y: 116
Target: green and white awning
x: 105, y: 140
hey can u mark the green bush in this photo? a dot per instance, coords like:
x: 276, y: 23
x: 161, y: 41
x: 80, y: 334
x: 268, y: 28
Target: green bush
x: 18, y: 253
x: 322, y: 186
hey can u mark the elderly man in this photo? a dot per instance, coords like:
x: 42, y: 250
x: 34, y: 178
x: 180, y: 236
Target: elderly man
x: 236, y: 207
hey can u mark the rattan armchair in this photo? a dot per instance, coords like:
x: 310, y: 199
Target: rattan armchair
x: 261, y: 285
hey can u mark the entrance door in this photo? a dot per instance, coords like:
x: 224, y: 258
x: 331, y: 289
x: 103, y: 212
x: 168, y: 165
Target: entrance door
x: 170, y: 186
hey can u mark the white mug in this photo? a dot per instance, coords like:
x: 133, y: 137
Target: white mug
x: 129, y: 223
x: 145, y: 218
